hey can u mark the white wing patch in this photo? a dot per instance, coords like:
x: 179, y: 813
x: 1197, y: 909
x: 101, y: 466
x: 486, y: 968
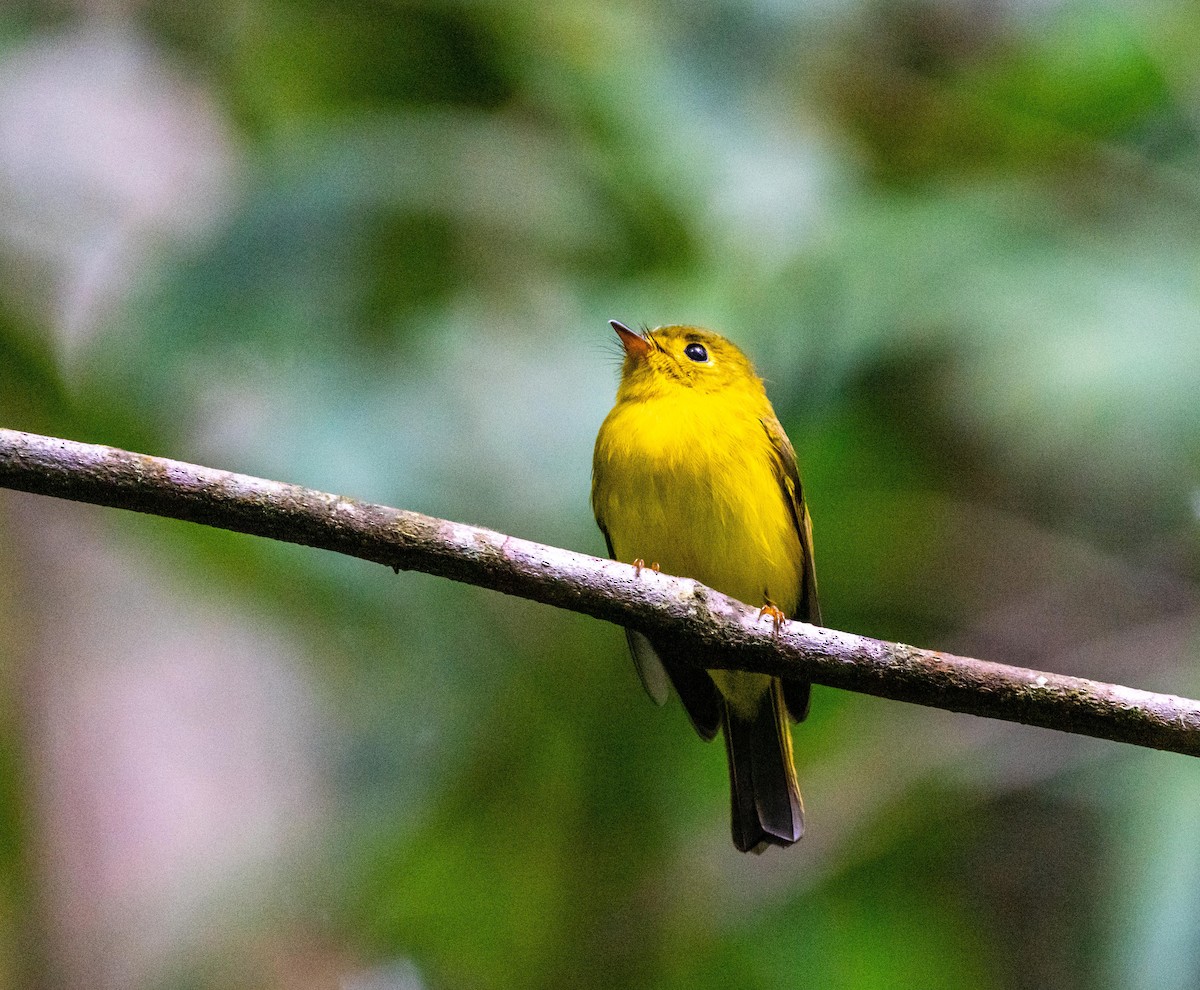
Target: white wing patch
x: 649, y: 667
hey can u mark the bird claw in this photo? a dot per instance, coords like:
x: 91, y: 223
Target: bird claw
x: 777, y: 617
x: 639, y: 564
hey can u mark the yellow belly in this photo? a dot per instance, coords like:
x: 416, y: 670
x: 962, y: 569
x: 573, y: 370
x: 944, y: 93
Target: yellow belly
x: 692, y: 486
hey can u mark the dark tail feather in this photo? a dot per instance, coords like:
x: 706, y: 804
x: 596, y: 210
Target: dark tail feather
x: 765, y: 796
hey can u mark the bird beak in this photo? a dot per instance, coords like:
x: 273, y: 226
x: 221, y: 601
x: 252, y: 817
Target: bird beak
x: 636, y: 346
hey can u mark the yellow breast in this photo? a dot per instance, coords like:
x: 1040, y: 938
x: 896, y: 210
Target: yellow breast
x: 688, y: 481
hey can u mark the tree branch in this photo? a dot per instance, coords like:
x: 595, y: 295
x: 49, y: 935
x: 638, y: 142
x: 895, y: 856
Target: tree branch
x: 657, y: 604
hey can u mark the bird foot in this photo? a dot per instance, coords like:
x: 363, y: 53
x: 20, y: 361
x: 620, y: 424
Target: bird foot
x: 638, y: 564
x: 777, y: 617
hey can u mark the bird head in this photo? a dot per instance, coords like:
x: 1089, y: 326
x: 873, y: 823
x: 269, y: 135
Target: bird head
x: 667, y: 359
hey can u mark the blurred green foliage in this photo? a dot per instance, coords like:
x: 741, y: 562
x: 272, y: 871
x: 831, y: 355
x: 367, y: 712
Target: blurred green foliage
x: 959, y: 239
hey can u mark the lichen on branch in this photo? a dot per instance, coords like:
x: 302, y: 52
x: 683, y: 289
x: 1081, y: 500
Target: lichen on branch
x: 654, y: 603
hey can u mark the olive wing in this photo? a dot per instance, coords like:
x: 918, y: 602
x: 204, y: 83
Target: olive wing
x: 795, y: 692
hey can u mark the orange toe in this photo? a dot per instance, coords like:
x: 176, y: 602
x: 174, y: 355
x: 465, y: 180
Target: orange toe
x: 777, y: 617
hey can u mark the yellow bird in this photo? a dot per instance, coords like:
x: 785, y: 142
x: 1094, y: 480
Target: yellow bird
x: 693, y: 472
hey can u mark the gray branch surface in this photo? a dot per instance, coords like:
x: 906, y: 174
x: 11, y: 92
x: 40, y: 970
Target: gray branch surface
x: 656, y: 604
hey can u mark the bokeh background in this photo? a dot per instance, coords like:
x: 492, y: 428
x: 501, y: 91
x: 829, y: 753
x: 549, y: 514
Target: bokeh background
x: 371, y: 247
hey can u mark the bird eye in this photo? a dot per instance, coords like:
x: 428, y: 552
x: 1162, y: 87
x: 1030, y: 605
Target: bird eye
x: 696, y: 352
